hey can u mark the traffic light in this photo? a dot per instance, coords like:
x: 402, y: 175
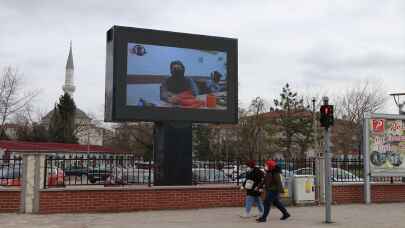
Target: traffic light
x: 326, y: 116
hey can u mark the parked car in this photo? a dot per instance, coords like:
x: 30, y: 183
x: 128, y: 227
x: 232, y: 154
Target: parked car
x: 236, y: 171
x: 304, y: 171
x: 341, y: 175
x: 229, y: 170
x: 338, y: 174
x: 56, y: 177
x: 75, y: 171
x: 144, y: 165
x: 142, y: 178
x: 287, y: 173
x: 10, y: 177
x: 129, y: 176
x: 98, y: 175
x: 201, y: 176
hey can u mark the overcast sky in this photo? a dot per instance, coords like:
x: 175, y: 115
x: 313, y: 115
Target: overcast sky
x: 318, y: 46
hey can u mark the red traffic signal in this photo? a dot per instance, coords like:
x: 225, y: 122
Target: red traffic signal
x: 326, y: 116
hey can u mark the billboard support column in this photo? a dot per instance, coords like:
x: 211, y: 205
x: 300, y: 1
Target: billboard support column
x: 172, y: 152
x: 366, y: 171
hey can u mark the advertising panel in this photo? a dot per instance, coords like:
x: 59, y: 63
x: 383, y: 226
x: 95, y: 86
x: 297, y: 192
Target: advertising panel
x: 386, y: 146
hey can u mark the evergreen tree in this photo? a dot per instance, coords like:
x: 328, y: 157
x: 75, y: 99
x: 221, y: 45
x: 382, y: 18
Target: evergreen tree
x: 201, y: 143
x: 62, y: 123
x: 39, y: 133
x: 55, y: 127
x: 294, y: 122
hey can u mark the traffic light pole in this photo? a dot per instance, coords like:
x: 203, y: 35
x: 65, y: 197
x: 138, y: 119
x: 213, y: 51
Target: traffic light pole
x: 327, y: 121
x: 328, y: 181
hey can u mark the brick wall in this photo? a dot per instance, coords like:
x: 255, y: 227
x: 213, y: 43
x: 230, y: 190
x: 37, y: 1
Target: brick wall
x: 345, y: 194
x: 119, y: 199
x: 9, y: 201
x: 126, y: 199
x: 380, y: 193
x: 388, y: 193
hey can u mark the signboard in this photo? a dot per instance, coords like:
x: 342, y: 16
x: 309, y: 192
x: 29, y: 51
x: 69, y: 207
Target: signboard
x: 386, y: 144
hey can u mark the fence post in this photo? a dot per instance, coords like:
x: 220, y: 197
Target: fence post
x: 150, y: 173
x: 237, y: 173
x: 32, y: 182
x: 45, y: 170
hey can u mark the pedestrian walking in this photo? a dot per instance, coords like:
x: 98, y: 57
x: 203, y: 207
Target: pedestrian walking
x: 273, y: 187
x: 252, y: 185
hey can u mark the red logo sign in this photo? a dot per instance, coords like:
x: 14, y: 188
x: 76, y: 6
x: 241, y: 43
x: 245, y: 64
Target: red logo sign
x: 378, y: 125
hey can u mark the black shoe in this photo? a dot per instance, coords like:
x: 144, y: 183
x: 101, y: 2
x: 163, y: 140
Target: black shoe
x: 260, y: 220
x: 286, y: 216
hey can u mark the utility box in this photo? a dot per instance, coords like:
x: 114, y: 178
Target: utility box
x: 288, y: 187
x: 304, y: 189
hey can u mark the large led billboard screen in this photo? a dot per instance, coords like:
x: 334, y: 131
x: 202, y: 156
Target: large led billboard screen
x: 165, y: 76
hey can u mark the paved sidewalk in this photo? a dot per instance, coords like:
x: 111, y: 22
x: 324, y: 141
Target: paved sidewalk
x: 372, y: 216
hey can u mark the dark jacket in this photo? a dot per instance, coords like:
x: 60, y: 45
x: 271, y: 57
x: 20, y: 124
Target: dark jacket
x: 257, y: 176
x: 272, y: 181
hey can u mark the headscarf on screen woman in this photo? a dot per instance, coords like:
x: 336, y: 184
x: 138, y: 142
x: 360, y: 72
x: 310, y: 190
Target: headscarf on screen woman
x: 177, y: 83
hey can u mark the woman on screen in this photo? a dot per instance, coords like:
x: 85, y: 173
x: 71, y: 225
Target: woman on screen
x: 213, y: 85
x: 177, y: 83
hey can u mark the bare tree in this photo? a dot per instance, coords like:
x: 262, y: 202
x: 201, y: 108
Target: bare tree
x: 367, y: 96
x: 251, y: 129
x: 13, y: 98
x: 133, y: 137
x: 28, y: 125
x: 24, y: 116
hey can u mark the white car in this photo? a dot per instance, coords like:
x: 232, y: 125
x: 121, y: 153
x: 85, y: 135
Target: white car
x: 338, y: 174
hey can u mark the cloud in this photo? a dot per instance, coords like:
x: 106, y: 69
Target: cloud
x: 311, y: 45
x: 329, y: 58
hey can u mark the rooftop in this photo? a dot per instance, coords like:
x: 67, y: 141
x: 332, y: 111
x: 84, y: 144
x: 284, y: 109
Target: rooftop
x: 22, y: 146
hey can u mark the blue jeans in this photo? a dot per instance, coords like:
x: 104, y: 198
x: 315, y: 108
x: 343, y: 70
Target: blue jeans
x: 273, y: 198
x: 249, y: 203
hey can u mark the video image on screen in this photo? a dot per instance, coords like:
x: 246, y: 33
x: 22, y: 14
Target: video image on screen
x: 173, y: 77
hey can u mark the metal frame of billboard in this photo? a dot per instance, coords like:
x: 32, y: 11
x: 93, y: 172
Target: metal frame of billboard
x: 366, y: 130
x: 116, y: 108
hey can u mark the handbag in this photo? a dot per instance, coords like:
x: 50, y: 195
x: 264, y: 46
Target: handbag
x: 249, y: 184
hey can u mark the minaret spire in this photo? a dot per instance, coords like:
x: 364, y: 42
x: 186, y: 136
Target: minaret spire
x: 69, y: 85
x: 69, y: 63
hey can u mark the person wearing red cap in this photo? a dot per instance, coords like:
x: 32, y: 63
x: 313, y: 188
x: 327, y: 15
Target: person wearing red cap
x: 252, y: 183
x: 273, y: 187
